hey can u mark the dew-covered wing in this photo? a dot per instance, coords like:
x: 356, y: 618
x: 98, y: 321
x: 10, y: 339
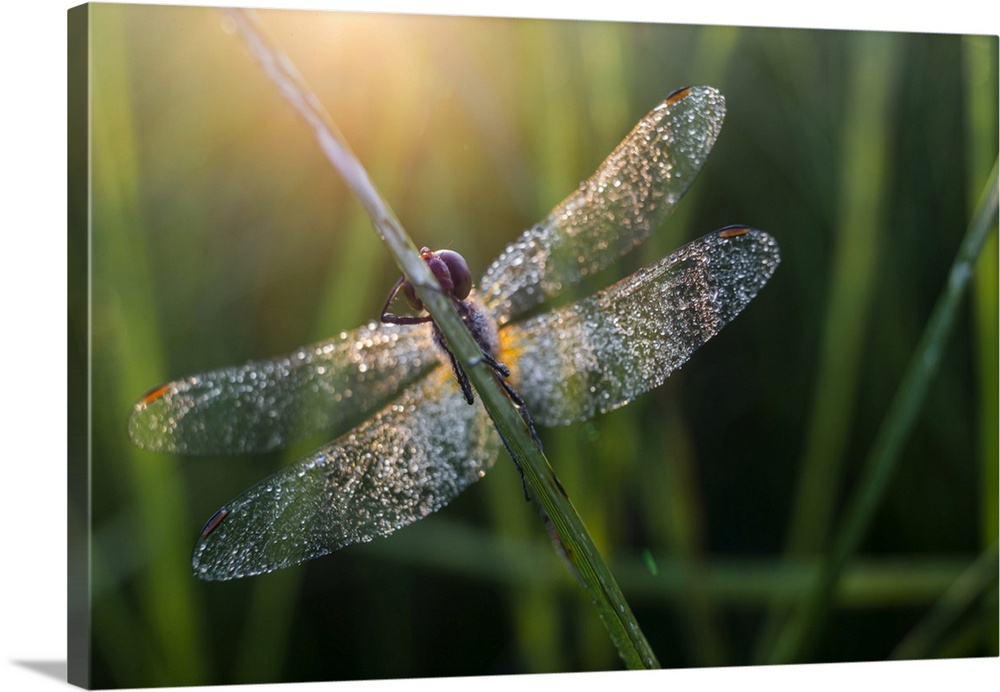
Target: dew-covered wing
x: 631, y: 193
x: 407, y: 461
x: 599, y: 353
x: 266, y: 404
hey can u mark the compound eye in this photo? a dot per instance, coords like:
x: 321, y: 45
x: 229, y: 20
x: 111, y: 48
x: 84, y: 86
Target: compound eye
x: 458, y: 270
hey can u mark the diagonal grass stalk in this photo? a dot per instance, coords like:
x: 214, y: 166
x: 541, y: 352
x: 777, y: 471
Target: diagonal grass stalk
x: 979, y: 71
x: 972, y: 584
x: 539, y: 477
x: 801, y: 631
x: 980, y: 77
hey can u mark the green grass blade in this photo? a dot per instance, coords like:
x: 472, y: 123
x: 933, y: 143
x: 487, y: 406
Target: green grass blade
x: 979, y: 67
x: 682, y: 514
x: 861, y: 218
x: 980, y: 76
x: 801, y: 631
x: 738, y: 584
x: 539, y: 477
x: 970, y: 586
x: 867, y: 130
x: 164, y: 592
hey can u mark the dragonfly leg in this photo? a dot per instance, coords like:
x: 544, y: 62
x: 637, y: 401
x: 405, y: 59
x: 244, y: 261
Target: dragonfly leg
x: 502, y: 369
x: 391, y: 318
x: 522, y: 409
x: 520, y: 470
x: 463, y: 379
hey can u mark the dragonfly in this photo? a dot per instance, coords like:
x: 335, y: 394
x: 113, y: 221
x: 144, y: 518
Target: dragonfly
x: 420, y: 442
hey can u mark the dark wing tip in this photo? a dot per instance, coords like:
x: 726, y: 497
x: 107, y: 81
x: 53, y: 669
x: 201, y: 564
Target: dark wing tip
x: 733, y: 231
x: 677, y: 95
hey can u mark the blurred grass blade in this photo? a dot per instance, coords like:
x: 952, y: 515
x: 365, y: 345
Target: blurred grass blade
x: 164, y: 592
x: 980, y: 77
x: 539, y: 477
x: 973, y: 583
x: 979, y: 71
x: 738, y: 584
x: 866, y: 131
x: 685, y: 514
x: 864, y: 172
x: 801, y: 631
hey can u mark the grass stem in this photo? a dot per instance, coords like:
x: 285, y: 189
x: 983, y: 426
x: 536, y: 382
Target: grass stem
x: 539, y: 477
x: 801, y: 631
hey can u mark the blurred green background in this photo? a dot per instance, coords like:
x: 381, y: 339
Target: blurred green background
x: 220, y: 233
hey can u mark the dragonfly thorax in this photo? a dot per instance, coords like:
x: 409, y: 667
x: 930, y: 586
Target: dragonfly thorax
x: 480, y: 325
x: 455, y: 279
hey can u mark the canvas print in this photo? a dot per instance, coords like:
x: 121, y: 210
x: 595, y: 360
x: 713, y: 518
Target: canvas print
x: 412, y: 346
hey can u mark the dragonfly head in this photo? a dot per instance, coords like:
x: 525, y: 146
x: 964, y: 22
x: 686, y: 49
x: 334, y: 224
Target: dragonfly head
x: 451, y: 271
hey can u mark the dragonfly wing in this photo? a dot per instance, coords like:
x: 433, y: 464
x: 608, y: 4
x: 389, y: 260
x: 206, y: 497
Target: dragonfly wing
x: 599, y: 353
x: 266, y: 404
x: 410, y: 459
x: 631, y: 193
